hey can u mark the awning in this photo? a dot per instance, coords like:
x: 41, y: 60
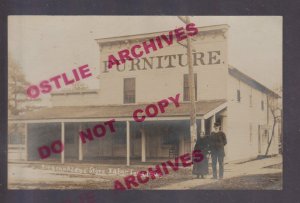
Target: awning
x: 115, y: 111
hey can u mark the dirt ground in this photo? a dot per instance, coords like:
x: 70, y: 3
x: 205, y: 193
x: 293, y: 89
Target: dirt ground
x: 34, y: 176
x: 250, y: 182
x: 92, y: 181
x: 103, y: 182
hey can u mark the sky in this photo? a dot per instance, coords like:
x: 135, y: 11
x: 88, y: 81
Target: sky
x: 46, y: 46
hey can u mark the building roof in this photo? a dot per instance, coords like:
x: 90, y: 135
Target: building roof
x: 70, y: 92
x: 251, y: 82
x: 143, y: 36
x: 115, y: 111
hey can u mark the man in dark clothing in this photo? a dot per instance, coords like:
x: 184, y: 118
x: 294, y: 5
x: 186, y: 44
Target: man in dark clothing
x: 217, y: 143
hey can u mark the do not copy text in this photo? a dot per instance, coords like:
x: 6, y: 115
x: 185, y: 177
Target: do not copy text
x: 100, y: 130
x: 139, y: 115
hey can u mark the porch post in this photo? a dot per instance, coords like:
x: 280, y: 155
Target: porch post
x: 128, y: 142
x: 193, y: 138
x: 181, y: 144
x: 213, y: 120
x: 203, y: 125
x: 63, y: 142
x: 143, y: 145
x: 80, y: 156
x: 26, y: 142
x: 224, y: 124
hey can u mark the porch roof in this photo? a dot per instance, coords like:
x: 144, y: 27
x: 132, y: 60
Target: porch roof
x: 114, y: 111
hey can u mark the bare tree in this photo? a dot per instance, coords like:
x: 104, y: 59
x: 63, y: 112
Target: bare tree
x: 18, y: 102
x: 16, y: 88
x: 274, y: 107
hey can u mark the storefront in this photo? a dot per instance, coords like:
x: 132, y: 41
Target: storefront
x: 223, y: 94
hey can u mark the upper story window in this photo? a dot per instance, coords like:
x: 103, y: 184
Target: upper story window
x: 238, y: 95
x: 186, y: 89
x: 262, y: 105
x: 129, y: 90
x: 250, y: 99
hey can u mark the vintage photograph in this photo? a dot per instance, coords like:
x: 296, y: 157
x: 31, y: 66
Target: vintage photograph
x: 145, y: 102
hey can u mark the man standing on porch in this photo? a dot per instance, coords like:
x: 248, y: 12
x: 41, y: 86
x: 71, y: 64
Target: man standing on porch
x: 217, y: 143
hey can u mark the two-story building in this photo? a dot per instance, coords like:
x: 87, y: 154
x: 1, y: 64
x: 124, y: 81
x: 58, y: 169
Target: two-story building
x: 223, y: 93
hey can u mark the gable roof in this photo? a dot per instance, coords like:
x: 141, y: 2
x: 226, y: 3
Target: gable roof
x: 144, y: 36
x: 251, y: 82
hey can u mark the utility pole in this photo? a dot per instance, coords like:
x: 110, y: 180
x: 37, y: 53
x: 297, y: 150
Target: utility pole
x: 193, y: 124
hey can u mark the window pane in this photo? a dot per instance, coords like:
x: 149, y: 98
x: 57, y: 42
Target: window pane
x: 16, y: 134
x: 129, y: 90
x: 238, y: 94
